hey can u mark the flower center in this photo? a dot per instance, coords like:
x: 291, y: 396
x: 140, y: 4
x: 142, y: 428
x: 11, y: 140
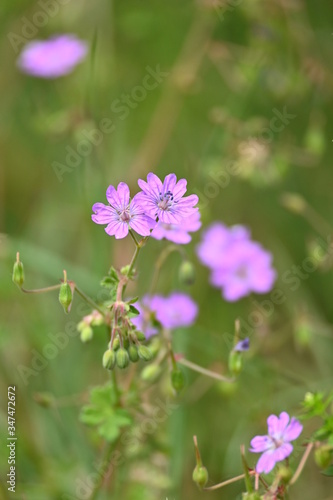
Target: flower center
x: 241, y: 272
x: 165, y: 200
x: 125, y: 216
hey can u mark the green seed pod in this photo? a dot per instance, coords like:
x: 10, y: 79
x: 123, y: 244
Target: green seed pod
x: 122, y: 358
x: 116, y: 344
x: 109, y: 359
x: 187, y: 273
x: 140, y: 336
x: 126, y: 342
x: 323, y: 456
x: 177, y: 379
x: 133, y: 353
x: 150, y: 372
x: 65, y: 297
x: 155, y: 345
x: 200, y: 476
x: 235, y: 362
x: 18, y: 273
x: 144, y: 353
x: 86, y: 334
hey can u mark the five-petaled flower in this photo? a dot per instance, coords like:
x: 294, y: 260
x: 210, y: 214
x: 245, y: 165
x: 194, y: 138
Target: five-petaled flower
x: 166, y: 200
x: 122, y: 214
x: 276, y: 445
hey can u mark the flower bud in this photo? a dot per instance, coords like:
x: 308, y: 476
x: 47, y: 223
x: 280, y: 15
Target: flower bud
x: 187, y: 273
x: 116, y: 344
x: 323, y: 456
x: 86, y: 334
x: 18, y: 272
x: 285, y: 474
x: 122, y: 358
x: 235, y: 362
x: 177, y: 379
x: 200, y: 476
x: 109, y: 359
x: 150, y: 372
x: 140, y: 336
x: 133, y: 353
x: 144, y: 353
x: 65, y: 296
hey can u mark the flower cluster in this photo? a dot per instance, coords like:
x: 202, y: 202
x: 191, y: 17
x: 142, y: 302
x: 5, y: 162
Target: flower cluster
x: 276, y: 446
x: 239, y: 265
x: 175, y: 311
x: 157, y: 203
x: 52, y: 58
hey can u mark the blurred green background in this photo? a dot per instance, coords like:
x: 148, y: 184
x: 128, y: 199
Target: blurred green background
x: 228, y: 67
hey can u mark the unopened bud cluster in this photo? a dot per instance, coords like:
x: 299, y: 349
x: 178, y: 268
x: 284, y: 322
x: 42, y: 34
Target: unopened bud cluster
x: 126, y: 349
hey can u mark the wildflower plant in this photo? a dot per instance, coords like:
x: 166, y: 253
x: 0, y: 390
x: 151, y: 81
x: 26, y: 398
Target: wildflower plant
x: 140, y: 330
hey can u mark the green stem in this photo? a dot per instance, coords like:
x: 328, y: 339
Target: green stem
x: 302, y: 463
x: 160, y: 261
x: 103, y: 469
x: 115, y: 386
x: 204, y: 371
x: 89, y: 300
x: 228, y: 481
x: 42, y: 290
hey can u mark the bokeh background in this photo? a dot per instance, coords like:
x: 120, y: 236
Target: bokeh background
x: 228, y: 68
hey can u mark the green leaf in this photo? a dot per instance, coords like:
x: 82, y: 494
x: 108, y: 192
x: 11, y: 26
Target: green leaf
x: 132, y: 301
x: 133, y: 312
x: 103, y: 413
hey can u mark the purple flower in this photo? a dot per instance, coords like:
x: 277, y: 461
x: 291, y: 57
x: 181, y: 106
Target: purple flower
x: 165, y: 200
x: 276, y: 445
x: 242, y: 345
x: 239, y: 266
x: 246, y: 268
x: 178, y: 233
x: 216, y: 239
x: 174, y: 311
x: 143, y: 321
x: 121, y: 214
x: 52, y: 58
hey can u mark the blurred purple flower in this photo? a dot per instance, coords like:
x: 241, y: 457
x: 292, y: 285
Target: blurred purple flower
x: 215, y: 241
x: 276, y: 445
x: 165, y: 200
x: 246, y: 267
x: 242, y: 345
x: 143, y: 321
x: 176, y: 310
x: 178, y: 233
x: 52, y: 58
x: 239, y: 266
x: 121, y: 214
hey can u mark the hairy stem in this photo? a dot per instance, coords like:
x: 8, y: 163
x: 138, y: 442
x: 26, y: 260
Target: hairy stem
x: 204, y: 371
